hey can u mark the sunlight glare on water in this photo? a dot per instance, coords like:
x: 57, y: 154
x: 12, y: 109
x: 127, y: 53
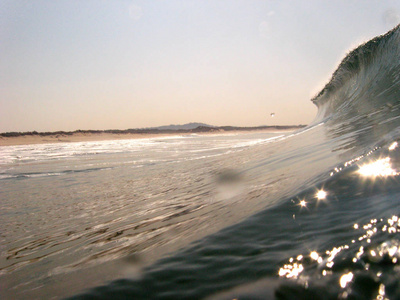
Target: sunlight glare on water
x: 393, y: 146
x: 321, y: 194
x: 381, y: 167
x: 345, y: 279
x: 303, y: 203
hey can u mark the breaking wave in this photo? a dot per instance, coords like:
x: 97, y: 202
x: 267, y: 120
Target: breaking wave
x: 338, y: 234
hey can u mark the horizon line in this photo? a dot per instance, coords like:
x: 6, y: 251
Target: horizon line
x: 144, y: 129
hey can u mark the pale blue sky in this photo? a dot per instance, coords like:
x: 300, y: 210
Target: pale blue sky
x: 103, y: 64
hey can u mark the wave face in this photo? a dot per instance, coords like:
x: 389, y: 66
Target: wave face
x: 335, y: 233
x: 317, y: 216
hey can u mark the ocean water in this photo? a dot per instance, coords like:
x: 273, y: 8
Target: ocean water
x: 311, y: 214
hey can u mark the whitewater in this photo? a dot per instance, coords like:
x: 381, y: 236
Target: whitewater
x: 311, y: 214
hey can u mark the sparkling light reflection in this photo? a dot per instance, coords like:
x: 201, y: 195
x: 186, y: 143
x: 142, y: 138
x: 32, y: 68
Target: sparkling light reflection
x: 291, y: 271
x: 381, y: 291
x: 321, y: 194
x: 393, y: 146
x: 381, y: 167
x: 345, y: 279
x: 367, y: 252
x: 314, y: 255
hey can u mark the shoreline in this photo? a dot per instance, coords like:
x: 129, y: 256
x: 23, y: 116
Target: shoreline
x: 103, y: 136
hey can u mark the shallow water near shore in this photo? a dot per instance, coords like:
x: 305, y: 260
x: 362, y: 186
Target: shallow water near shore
x: 77, y: 206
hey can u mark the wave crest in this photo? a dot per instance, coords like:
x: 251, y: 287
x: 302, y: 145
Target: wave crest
x: 367, y: 77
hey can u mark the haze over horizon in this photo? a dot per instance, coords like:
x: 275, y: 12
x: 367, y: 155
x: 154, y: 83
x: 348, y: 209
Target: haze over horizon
x: 70, y: 65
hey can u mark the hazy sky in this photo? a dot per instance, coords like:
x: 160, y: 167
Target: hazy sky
x: 117, y: 64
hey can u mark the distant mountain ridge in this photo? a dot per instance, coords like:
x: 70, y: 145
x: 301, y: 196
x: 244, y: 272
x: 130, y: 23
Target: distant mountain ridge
x: 188, y: 126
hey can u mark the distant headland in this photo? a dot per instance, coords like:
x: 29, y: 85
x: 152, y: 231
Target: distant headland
x: 34, y: 137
